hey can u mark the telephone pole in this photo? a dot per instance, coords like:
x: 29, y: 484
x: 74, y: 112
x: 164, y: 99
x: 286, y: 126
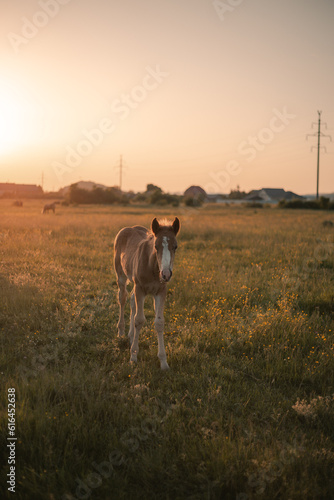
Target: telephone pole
x: 319, y: 134
x: 120, y: 168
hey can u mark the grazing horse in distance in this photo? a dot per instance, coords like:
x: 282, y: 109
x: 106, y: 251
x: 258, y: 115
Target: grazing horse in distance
x: 50, y: 206
x: 146, y: 259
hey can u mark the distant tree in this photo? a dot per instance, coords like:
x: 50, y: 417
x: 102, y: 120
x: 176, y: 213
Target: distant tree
x: 152, y: 187
x: 322, y: 204
x: 140, y: 198
x: 160, y: 198
x: 236, y: 194
x: 96, y: 195
x: 193, y: 201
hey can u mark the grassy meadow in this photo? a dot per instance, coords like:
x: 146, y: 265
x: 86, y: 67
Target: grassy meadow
x: 247, y: 408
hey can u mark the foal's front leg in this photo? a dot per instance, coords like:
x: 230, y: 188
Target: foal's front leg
x: 132, y: 316
x: 139, y: 320
x: 122, y: 294
x: 159, y: 323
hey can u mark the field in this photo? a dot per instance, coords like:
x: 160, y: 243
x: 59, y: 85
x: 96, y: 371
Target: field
x: 247, y: 408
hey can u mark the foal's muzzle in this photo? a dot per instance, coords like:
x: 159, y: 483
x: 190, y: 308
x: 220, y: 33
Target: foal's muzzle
x: 165, y: 275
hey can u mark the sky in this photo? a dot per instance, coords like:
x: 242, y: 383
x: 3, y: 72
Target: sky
x: 220, y: 94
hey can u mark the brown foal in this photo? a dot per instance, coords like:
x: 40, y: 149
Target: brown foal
x: 146, y: 259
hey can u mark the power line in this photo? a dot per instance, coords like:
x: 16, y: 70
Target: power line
x: 319, y: 134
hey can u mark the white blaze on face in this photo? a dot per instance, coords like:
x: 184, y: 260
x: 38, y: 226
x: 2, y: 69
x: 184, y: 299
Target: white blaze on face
x: 166, y: 257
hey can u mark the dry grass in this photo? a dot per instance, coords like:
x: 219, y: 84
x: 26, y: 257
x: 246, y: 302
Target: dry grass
x: 246, y: 410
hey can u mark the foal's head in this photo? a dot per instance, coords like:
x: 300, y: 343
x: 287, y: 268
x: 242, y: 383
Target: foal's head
x: 165, y: 245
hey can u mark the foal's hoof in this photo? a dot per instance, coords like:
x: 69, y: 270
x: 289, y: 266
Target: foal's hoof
x: 164, y: 366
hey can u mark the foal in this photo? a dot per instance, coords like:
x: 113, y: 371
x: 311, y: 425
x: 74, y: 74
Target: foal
x: 146, y: 259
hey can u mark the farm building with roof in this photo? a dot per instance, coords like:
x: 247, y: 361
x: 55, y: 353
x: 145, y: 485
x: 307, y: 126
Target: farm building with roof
x: 270, y: 195
x: 10, y: 189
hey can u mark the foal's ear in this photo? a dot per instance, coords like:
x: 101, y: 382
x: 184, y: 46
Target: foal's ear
x: 155, y: 226
x: 176, y: 225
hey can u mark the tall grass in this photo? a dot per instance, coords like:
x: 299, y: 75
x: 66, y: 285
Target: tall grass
x: 246, y: 410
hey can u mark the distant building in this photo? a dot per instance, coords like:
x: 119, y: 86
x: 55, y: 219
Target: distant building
x: 194, y: 192
x: 10, y: 189
x: 270, y: 195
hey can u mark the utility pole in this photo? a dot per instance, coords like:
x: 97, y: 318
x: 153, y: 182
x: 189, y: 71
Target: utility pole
x: 42, y: 180
x: 319, y: 134
x: 120, y: 168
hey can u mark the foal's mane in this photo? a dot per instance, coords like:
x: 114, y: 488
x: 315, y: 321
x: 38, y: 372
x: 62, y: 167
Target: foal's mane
x: 165, y: 224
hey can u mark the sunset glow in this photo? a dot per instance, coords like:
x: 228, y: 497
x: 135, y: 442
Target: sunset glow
x: 188, y: 92
x: 14, y: 129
